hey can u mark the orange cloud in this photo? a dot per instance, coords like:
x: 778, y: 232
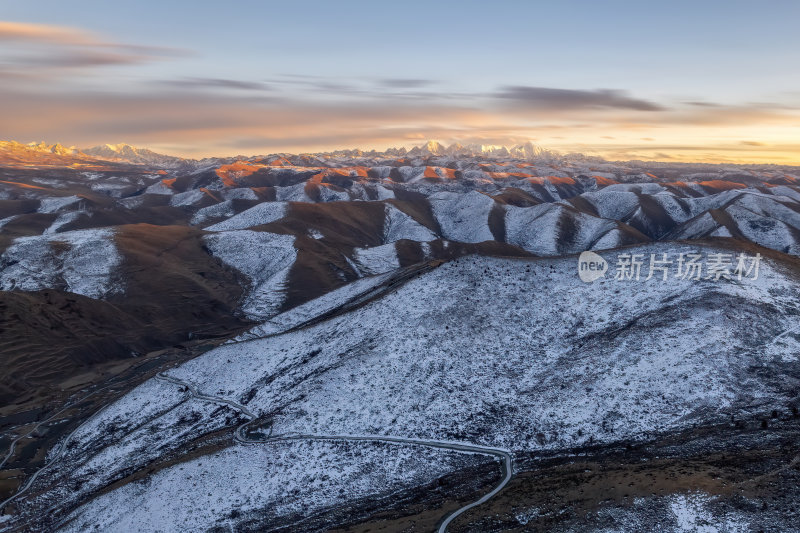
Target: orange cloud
x: 45, y: 33
x: 47, y: 49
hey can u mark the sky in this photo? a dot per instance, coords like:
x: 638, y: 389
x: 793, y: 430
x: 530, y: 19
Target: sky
x: 710, y: 80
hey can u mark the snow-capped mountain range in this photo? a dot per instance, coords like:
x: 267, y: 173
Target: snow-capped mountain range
x: 124, y: 153
x: 526, y: 151
x: 131, y: 154
x: 34, y: 154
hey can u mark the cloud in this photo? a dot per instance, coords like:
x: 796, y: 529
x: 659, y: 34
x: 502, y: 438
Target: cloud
x: 405, y: 83
x: 44, y: 33
x: 752, y: 143
x: 61, y: 59
x: 734, y: 115
x: 315, y: 84
x: 216, y: 119
x: 565, y: 99
x: 45, y: 49
x: 697, y: 103
x: 216, y: 83
x: 220, y: 116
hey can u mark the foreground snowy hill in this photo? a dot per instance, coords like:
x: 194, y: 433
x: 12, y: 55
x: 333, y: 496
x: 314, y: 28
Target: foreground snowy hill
x: 516, y: 354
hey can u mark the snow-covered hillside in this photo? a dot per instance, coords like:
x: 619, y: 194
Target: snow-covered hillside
x: 82, y: 261
x: 265, y: 258
x: 518, y: 354
x: 259, y: 484
x: 426, y: 295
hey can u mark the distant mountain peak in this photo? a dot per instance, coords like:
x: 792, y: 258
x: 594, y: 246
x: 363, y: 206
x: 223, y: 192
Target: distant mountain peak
x: 434, y: 147
x: 131, y: 154
x: 43, y: 147
x: 128, y: 154
x: 527, y: 150
x: 121, y: 147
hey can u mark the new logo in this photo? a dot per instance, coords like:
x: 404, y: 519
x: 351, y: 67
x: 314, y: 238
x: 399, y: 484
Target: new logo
x: 591, y: 267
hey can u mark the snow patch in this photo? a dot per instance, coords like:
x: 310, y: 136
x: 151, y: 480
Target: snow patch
x: 263, y: 213
x: 82, y: 261
x: 222, y: 209
x: 377, y: 260
x: 62, y: 220
x: 265, y: 258
x: 187, y: 198
x: 398, y: 225
x: 463, y: 217
x: 52, y: 205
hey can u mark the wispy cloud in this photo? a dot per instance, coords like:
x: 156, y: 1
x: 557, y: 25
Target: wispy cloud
x: 215, y: 83
x: 406, y: 83
x: 46, y: 49
x: 45, y: 33
x: 226, y: 121
x: 212, y: 113
x: 699, y: 103
x: 564, y: 99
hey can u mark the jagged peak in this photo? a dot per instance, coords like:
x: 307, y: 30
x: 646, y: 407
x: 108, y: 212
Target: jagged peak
x: 39, y: 146
x: 526, y: 150
x: 118, y: 148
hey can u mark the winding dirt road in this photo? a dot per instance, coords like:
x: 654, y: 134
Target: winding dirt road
x: 58, y: 450
x: 239, y: 435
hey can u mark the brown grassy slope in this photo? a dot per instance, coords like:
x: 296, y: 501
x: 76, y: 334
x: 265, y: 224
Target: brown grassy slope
x: 173, y: 290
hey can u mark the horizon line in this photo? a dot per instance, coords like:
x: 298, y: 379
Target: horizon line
x: 164, y: 151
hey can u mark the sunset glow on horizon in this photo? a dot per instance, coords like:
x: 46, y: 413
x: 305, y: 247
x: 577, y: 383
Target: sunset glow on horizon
x: 679, y: 82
